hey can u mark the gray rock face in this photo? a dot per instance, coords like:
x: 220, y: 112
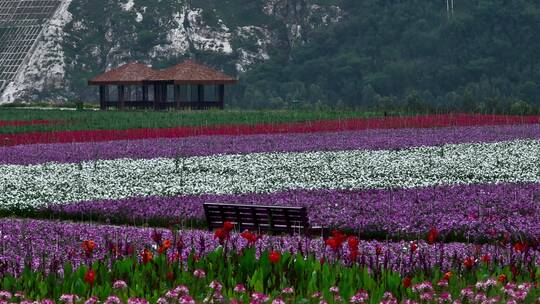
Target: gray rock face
x: 86, y: 37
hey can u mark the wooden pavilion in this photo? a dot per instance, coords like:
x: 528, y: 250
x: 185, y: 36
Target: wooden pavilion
x: 186, y: 85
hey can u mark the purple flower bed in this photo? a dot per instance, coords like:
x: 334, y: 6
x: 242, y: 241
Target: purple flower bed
x: 475, y: 212
x: 294, y: 142
x: 48, y: 244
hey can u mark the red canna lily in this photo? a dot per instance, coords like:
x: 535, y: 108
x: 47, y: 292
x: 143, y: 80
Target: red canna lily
x: 353, y: 255
x: 167, y: 244
x: 469, y: 262
x: 339, y: 236
x: 88, y: 247
x: 414, y: 247
x: 407, y: 281
x: 519, y: 247
x: 156, y: 236
x: 332, y: 243
x: 222, y: 235
x: 228, y: 226
x: 447, y: 276
x: 353, y: 243
x: 274, y: 257
x: 250, y: 237
x: 147, y: 256
x: 90, y: 277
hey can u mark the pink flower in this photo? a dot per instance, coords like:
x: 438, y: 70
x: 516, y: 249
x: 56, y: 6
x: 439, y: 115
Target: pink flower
x: 186, y: 300
x: 288, y: 290
x: 162, y: 301
x: 334, y: 289
x: 316, y: 294
x: 182, y: 290
x: 360, y: 297
x: 240, y: 288
x: 215, y: 285
x: 137, y: 301
x: 69, y: 298
x: 118, y: 285
x: 261, y: 297
x: 278, y: 301
x: 92, y: 300
x: 5, y: 295
x: 199, y: 273
x: 113, y: 300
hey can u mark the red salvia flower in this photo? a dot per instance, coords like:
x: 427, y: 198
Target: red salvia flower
x: 274, y: 257
x: 433, y: 234
x: 501, y: 278
x: 486, y: 258
x: 90, y: 277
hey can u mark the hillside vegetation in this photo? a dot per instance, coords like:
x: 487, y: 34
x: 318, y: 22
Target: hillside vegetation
x: 484, y: 58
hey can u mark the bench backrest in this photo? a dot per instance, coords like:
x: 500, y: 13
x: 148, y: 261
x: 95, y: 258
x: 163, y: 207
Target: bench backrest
x: 270, y: 219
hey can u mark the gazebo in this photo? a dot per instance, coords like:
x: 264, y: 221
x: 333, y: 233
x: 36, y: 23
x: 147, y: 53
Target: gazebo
x: 186, y: 85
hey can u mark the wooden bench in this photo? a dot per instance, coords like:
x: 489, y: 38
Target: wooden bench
x: 269, y: 219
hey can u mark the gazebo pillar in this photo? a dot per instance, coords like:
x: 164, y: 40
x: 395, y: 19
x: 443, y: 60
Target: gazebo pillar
x: 200, y: 89
x: 177, y: 97
x: 221, y: 96
x: 164, y: 94
x: 121, y: 97
x: 145, y: 93
x: 157, y: 95
x: 102, y: 97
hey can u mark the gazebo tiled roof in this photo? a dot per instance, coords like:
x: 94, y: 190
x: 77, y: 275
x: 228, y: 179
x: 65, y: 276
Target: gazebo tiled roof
x: 187, y: 72
x: 190, y: 72
x: 133, y: 73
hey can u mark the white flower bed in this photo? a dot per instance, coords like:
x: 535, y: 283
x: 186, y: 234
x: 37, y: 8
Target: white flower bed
x: 37, y: 185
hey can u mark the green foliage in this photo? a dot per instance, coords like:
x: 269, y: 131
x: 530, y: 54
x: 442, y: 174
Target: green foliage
x: 153, y: 279
x: 107, y: 120
x: 484, y: 52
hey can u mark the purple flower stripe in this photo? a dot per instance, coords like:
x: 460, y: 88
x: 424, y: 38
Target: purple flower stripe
x: 477, y: 212
x: 48, y: 244
x: 295, y: 142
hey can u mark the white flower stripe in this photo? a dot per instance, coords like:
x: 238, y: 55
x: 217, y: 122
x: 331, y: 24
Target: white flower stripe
x: 38, y: 185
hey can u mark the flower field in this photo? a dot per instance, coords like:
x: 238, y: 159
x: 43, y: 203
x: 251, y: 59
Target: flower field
x: 423, y: 209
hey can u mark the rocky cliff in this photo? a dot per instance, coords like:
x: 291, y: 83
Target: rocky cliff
x: 86, y: 37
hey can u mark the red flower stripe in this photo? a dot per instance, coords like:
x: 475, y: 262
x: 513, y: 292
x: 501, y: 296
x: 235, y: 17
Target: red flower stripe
x: 428, y: 121
x: 21, y: 123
